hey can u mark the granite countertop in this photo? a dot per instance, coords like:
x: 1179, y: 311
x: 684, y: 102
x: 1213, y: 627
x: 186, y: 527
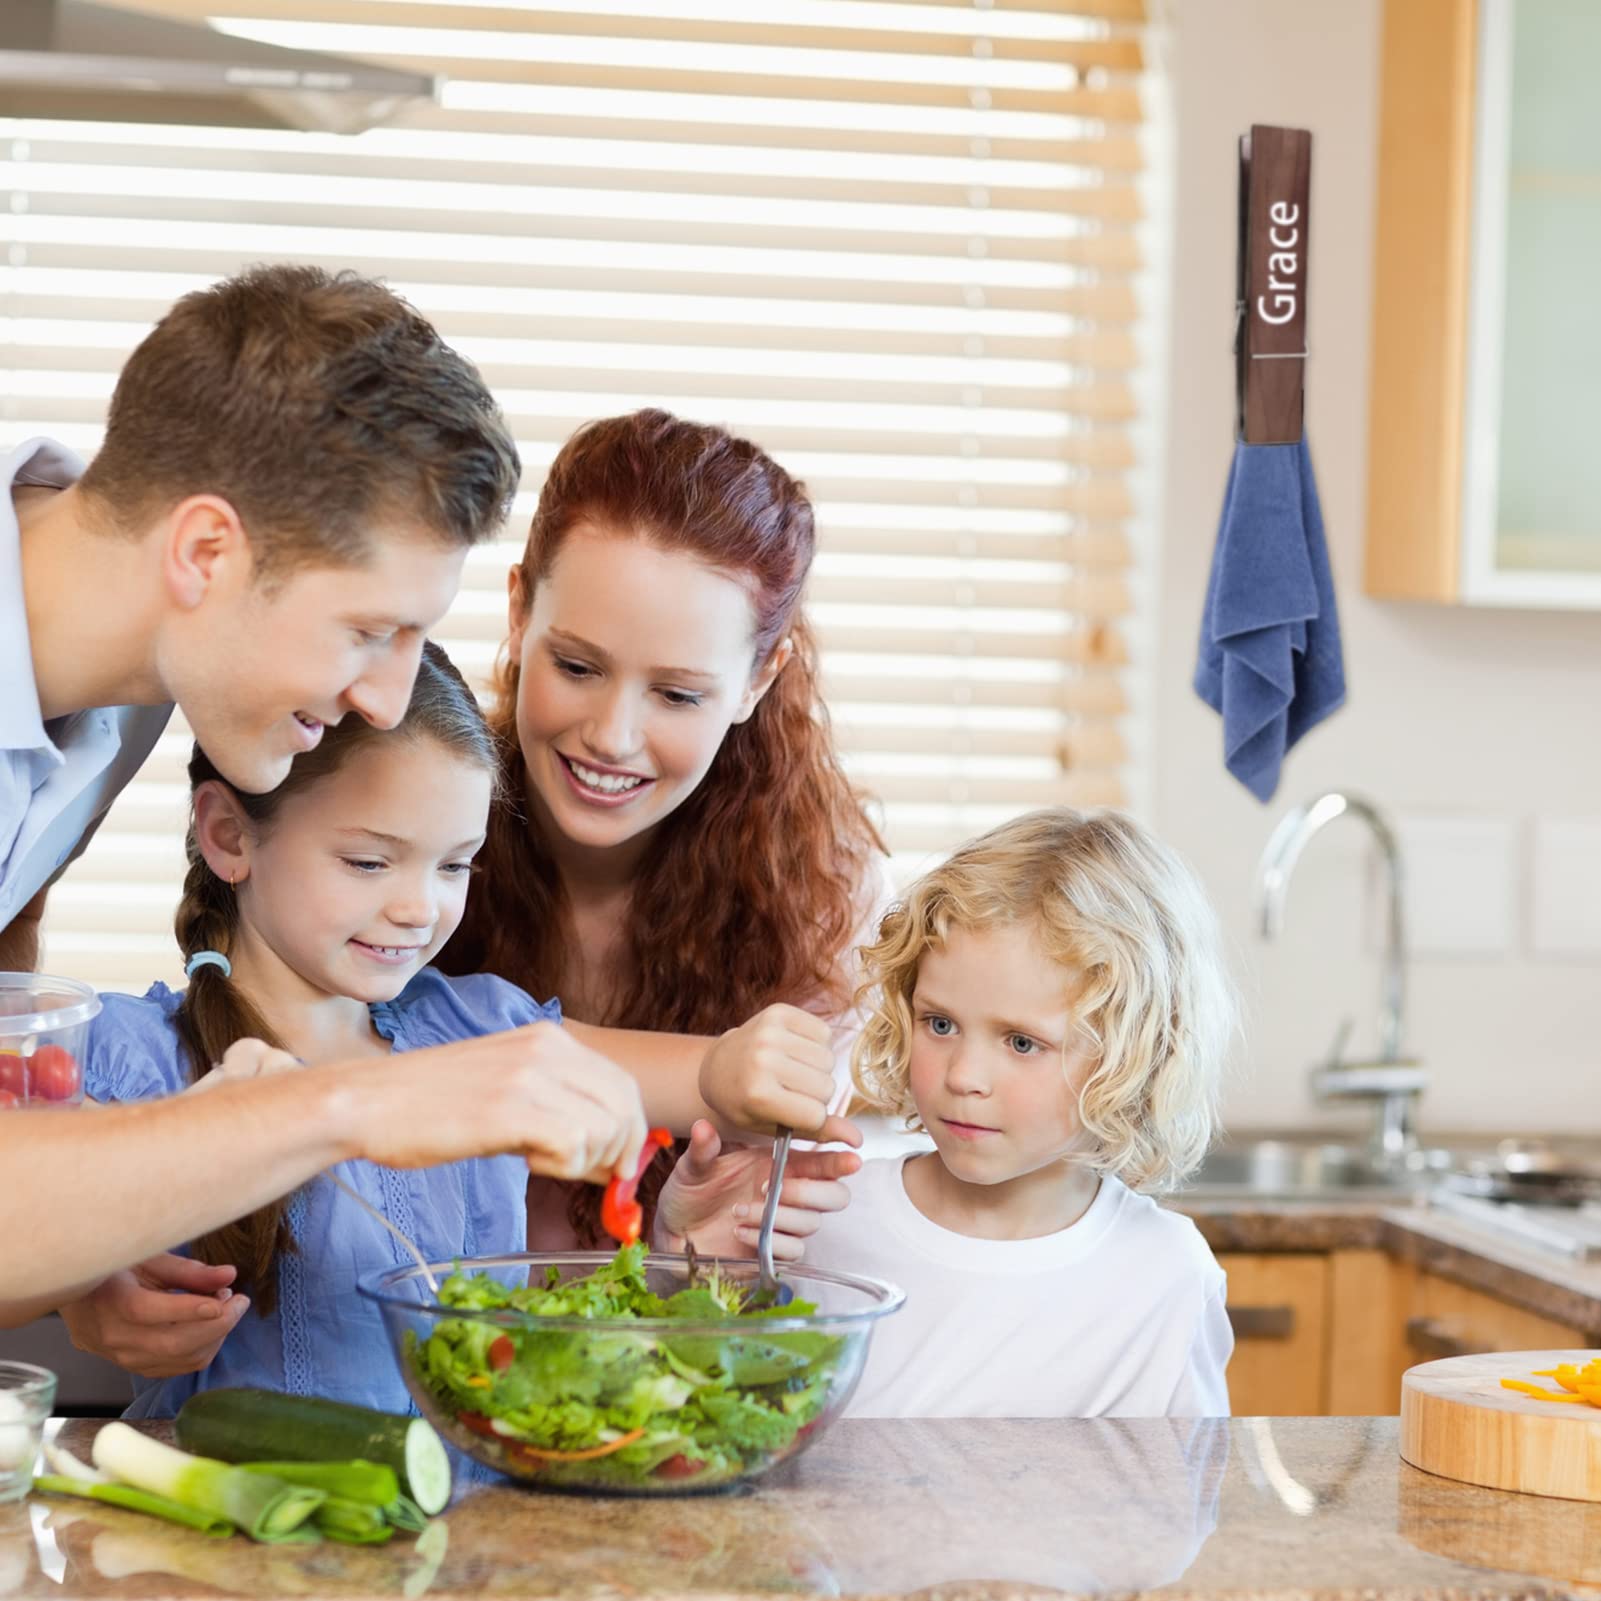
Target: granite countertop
x: 953, y: 1510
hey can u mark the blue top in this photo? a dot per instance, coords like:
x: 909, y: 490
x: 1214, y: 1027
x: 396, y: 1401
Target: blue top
x: 324, y: 1338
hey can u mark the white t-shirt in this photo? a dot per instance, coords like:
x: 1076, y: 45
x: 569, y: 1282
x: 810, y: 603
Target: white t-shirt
x: 1119, y: 1315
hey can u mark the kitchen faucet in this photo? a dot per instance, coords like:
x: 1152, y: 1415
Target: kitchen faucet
x: 1392, y: 1081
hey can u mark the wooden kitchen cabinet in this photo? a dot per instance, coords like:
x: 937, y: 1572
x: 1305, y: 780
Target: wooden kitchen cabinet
x: 1369, y: 1299
x: 1279, y: 1306
x: 1449, y: 1319
x: 1317, y: 1333
x: 1329, y: 1334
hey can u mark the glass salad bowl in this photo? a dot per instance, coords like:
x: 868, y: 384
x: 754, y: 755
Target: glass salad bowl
x: 627, y: 1374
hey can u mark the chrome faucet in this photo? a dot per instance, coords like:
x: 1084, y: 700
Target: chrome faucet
x: 1393, y: 1081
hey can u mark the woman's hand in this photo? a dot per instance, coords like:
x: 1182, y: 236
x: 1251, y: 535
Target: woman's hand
x: 776, y: 1071
x: 160, y: 1318
x: 714, y: 1196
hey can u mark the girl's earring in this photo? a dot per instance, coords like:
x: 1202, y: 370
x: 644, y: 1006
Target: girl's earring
x: 231, y: 878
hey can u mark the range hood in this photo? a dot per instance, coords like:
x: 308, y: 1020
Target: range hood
x: 70, y: 59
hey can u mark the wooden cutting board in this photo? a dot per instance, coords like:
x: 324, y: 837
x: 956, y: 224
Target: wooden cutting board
x: 1457, y: 1421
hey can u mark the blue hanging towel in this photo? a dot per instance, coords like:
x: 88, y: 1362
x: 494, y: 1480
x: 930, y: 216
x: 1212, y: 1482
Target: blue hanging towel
x: 1270, y: 659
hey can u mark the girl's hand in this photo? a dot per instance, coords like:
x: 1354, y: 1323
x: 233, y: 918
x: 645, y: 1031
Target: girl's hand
x: 247, y: 1059
x: 715, y: 1195
x: 160, y: 1318
x: 776, y: 1071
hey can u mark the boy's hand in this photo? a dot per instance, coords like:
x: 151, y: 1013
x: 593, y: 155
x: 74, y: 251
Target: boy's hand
x: 159, y: 1318
x: 776, y: 1071
x: 715, y: 1195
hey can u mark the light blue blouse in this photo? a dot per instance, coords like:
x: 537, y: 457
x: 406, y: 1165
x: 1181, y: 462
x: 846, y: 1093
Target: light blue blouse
x: 57, y: 778
x: 323, y: 1338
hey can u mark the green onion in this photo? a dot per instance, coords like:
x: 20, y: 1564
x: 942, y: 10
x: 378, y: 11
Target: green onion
x: 371, y: 1482
x: 124, y: 1495
x: 266, y: 1508
x: 352, y: 1522
x: 404, y: 1513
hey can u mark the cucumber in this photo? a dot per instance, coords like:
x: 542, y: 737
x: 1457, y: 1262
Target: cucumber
x: 262, y: 1425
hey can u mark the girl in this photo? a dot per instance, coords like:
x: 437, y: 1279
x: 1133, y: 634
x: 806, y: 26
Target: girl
x: 684, y: 848
x: 308, y: 917
x: 1051, y: 1008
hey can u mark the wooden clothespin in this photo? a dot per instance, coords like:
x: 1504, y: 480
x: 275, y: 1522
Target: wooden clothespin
x: 1270, y: 319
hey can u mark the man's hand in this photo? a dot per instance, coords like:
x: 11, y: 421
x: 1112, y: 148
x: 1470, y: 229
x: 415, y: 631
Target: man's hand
x: 175, y: 1168
x: 776, y: 1071
x: 534, y: 1092
x: 166, y: 1316
x: 714, y: 1196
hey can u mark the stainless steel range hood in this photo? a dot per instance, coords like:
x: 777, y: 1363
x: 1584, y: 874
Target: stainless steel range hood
x: 71, y: 59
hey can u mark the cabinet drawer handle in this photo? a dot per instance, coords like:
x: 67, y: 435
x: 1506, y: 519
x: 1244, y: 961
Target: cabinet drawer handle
x: 1262, y: 1322
x: 1430, y: 1339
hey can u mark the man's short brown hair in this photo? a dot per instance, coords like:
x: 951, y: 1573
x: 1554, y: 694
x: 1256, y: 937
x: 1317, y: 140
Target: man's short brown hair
x: 316, y: 403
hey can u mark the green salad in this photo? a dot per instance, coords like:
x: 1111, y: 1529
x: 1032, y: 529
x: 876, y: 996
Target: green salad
x: 620, y: 1409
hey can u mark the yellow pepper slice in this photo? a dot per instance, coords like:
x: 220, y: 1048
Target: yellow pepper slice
x: 1540, y: 1393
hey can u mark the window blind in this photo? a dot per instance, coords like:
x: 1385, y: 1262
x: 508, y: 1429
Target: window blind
x: 898, y: 242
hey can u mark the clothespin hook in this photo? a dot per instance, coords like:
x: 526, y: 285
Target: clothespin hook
x: 1271, y: 275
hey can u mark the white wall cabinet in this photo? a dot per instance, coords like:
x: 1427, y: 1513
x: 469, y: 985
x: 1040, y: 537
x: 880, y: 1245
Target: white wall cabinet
x: 1485, y: 444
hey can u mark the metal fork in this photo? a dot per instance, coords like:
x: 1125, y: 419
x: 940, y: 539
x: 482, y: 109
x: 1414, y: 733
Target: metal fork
x: 373, y: 1212
x: 770, y: 1290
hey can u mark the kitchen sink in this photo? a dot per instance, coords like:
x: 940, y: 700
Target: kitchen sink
x: 1307, y: 1170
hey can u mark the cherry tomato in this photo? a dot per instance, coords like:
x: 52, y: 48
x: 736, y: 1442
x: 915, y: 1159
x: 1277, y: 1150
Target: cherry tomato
x: 13, y: 1077
x: 55, y: 1073
x: 502, y: 1353
x: 678, y: 1466
x: 478, y: 1423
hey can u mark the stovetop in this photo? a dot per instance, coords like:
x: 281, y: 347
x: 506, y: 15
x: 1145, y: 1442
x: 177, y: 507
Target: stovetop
x: 1572, y: 1231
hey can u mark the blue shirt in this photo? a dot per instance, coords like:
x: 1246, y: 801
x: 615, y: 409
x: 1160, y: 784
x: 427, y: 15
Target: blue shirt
x: 57, y: 779
x: 324, y: 1338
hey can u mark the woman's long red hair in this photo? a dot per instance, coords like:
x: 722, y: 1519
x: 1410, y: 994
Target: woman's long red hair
x: 753, y: 886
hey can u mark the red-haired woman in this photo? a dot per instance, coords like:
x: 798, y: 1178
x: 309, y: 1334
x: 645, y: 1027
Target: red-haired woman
x: 682, y: 849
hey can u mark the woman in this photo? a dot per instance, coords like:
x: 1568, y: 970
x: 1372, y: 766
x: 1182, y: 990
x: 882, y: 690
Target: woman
x: 688, y: 849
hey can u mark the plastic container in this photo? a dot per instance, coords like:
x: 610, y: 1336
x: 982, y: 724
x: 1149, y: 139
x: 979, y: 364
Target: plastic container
x: 44, y: 1025
x: 804, y: 1367
x: 27, y: 1394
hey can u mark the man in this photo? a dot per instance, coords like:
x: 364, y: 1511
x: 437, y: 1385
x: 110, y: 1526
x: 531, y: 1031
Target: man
x: 293, y: 470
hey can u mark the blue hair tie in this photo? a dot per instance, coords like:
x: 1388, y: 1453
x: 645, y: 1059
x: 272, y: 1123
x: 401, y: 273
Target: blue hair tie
x: 208, y: 959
